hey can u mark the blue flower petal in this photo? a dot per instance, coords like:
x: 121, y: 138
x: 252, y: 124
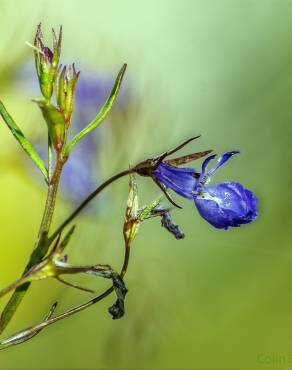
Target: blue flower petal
x: 224, y: 158
x: 206, y: 162
x: 227, y: 205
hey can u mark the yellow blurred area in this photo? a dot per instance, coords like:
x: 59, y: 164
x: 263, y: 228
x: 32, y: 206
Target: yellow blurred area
x: 217, y: 299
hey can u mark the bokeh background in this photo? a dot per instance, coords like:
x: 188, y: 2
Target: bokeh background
x: 217, y: 299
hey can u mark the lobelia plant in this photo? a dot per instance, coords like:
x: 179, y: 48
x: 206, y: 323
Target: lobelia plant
x: 223, y: 205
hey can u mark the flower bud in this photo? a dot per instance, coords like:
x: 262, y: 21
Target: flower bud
x: 47, y: 61
x: 65, y: 91
x: 53, y: 79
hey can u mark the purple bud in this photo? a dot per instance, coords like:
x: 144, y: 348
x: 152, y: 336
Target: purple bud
x: 48, y: 54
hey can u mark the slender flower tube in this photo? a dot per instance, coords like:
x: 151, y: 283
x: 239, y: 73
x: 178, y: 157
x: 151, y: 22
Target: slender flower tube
x: 181, y: 180
x: 223, y: 205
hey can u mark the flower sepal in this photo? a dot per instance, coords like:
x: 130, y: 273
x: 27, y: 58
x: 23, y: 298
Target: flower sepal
x: 55, y: 122
x: 148, y: 166
x: 164, y: 172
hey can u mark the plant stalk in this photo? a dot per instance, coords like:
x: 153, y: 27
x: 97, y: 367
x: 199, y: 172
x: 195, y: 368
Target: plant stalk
x: 31, y: 331
x: 87, y: 200
x: 41, y: 245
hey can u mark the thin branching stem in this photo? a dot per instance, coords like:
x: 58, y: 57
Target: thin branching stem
x: 88, y: 200
x: 31, y: 331
x: 44, y: 242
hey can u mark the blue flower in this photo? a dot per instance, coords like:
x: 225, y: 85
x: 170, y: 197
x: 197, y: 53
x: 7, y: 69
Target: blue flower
x: 227, y: 204
x: 223, y: 205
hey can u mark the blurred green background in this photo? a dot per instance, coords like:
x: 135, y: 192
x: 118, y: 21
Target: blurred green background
x: 217, y: 299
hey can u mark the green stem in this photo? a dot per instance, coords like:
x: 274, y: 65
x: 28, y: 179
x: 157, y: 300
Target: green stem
x: 41, y: 245
x: 87, y: 200
x: 30, y: 332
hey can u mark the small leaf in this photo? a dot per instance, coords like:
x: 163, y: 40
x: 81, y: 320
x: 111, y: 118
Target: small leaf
x: 13, y: 285
x: 73, y: 285
x: 146, y: 212
x: 106, y: 108
x: 18, y: 134
x: 61, y: 246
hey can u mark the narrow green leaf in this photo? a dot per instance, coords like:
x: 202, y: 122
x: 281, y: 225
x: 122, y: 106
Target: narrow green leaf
x: 104, y: 111
x: 19, y: 136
